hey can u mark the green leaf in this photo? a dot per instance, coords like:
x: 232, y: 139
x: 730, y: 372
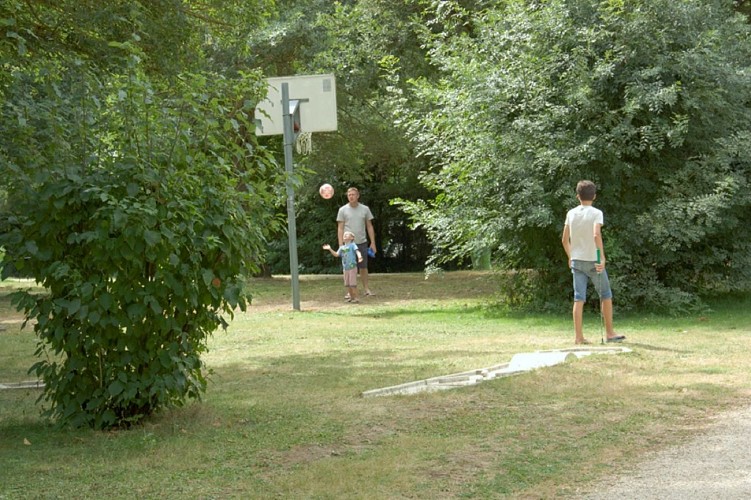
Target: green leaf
x: 105, y: 301
x: 152, y: 237
x: 94, y: 317
x: 136, y: 311
x: 31, y: 247
x: 115, y: 388
x: 154, y: 305
x: 71, y: 306
x: 208, y: 276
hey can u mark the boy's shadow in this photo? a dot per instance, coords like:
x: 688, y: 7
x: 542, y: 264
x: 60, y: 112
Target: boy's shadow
x: 649, y: 347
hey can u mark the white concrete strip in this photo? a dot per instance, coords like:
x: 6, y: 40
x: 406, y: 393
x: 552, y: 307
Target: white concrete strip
x: 29, y: 384
x: 520, y: 363
x: 526, y: 361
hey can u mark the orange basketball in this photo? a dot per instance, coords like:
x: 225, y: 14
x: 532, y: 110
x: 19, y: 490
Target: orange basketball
x: 326, y: 191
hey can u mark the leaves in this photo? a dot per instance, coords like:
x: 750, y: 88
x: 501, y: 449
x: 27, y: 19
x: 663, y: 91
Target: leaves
x: 643, y: 99
x: 128, y: 187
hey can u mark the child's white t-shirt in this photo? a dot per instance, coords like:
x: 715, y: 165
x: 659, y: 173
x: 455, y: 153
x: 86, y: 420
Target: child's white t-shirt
x: 581, y: 221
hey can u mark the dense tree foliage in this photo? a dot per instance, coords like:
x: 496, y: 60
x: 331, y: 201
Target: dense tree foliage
x: 350, y: 39
x: 136, y: 196
x: 649, y: 99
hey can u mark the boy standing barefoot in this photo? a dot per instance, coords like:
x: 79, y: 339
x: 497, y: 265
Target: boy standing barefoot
x: 582, y: 241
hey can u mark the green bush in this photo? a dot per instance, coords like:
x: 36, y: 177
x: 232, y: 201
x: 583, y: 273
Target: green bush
x: 648, y: 99
x: 141, y: 226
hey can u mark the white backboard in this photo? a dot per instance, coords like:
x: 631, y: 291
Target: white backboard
x: 317, y: 95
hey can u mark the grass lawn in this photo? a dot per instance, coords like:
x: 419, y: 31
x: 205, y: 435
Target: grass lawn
x: 284, y: 417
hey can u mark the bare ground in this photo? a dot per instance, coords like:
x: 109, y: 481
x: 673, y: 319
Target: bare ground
x: 714, y: 465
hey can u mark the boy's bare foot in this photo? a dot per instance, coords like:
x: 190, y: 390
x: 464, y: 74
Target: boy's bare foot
x: 583, y: 342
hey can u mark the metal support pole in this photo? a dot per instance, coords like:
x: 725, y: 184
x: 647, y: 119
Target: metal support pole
x: 289, y: 139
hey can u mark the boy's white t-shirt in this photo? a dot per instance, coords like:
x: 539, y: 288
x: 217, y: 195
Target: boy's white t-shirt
x: 581, y: 222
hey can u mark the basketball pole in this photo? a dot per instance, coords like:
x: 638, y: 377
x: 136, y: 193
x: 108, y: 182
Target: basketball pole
x: 289, y: 139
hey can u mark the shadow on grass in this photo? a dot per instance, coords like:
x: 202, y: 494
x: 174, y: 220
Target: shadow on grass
x: 650, y: 347
x: 378, y: 364
x: 392, y: 313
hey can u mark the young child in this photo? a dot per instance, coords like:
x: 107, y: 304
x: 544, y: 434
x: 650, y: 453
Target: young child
x: 350, y: 256
x: 582, y: 240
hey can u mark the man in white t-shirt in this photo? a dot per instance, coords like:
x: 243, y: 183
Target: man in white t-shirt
x: 357, y: 218
x: 582, y: 240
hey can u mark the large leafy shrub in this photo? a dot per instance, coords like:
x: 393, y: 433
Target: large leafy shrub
x: 140, y: 209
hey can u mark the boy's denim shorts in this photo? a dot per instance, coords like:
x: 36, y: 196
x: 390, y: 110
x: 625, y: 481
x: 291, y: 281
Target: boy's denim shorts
x: 584, y: 271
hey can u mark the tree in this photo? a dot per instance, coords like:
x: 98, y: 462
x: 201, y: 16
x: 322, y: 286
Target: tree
x: 647, y: 99
x: 351, y: 39
x: 136, y: 196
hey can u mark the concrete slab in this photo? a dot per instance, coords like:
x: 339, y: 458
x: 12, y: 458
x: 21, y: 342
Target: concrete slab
x: 520, y: 363
x: 29, y: 384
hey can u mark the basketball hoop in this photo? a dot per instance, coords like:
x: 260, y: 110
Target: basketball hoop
x: 304, y: 143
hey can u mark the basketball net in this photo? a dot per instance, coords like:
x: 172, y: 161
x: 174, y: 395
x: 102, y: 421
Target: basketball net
x: 304, y: 143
